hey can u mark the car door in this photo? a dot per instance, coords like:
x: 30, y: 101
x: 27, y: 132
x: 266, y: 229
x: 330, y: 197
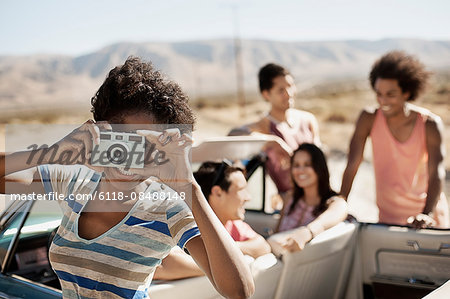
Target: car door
x: 399, y: 262
x: 24, y: 237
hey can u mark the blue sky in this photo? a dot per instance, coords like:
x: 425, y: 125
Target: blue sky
x: 81, y: 26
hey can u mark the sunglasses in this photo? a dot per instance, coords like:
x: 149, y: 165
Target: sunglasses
x: 220, y: 174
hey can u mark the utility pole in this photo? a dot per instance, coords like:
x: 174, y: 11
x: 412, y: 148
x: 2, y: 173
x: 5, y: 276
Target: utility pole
x: 238, y: 62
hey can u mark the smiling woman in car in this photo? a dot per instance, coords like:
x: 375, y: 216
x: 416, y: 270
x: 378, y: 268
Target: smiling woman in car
x: 313, y: 207
x: 110, y: 248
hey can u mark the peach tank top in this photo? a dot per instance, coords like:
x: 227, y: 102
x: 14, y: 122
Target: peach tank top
x: 401, y: 172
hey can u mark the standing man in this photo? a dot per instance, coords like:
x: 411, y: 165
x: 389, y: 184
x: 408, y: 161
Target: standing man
x: 408, y: 152
x: 285, y: 126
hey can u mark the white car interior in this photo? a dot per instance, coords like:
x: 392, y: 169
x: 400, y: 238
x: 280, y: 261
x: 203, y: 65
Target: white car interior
x: 350, y: 260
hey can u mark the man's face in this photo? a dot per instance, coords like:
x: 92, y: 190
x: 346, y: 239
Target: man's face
x: 390, y: 96
x: 234, y: 199
x: 281, y: 95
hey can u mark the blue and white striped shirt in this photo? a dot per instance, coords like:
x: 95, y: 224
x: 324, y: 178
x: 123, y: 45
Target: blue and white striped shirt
x: 119, y: 263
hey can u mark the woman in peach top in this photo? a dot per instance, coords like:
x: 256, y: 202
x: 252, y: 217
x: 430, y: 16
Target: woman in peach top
x: 408, y: 153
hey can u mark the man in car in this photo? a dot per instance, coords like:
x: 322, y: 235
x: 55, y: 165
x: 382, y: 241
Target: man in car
x: 225, y: 188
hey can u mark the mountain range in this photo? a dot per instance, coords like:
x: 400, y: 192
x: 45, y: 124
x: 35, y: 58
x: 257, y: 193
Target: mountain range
x: 203, y: 68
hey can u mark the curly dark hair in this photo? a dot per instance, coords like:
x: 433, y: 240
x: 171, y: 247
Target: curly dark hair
x: 269, y: 72
x: 406, y: 69
x: 212, y: 174
x: 137, y: 86
x: 319, y: 164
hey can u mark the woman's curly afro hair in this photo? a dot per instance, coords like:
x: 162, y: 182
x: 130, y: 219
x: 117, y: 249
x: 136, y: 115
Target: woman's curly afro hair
x: 136, y: 86
x: 406, y: 69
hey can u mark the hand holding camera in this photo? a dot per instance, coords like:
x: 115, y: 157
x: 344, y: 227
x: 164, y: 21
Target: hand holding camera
x: 169, y: 153
x: 163, y: 154
x: 76, y: 147
x: 149, y: 153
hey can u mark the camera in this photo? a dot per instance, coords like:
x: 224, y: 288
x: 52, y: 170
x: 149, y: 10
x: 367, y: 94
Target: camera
x: 117, y: 149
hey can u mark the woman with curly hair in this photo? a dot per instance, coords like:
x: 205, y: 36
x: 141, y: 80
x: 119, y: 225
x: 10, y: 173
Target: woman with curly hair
x: 407, y: 146
x: 111, y: 248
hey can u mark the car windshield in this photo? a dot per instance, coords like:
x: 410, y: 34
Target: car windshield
x: 10, y: 224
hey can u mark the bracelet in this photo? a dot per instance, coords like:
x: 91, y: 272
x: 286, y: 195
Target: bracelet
x: 315, y: 229
x: 310, y: 231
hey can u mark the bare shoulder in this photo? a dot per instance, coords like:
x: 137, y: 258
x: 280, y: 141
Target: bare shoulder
x: 261, y: 126
x: 366, y: 119
x: 363, y: 128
